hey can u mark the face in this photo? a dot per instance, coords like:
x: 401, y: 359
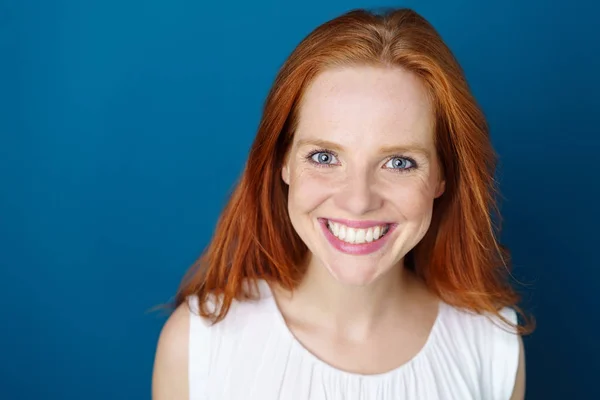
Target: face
x: 362, y: 171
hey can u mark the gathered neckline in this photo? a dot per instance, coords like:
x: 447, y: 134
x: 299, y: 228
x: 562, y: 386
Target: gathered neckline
x: 267, y: 293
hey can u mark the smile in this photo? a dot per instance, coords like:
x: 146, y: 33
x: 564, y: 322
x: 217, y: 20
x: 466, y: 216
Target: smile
x: 356, y: 237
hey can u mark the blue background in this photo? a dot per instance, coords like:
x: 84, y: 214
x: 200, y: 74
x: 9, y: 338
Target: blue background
x: 124, y: 124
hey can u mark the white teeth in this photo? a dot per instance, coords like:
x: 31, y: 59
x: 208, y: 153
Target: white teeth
x: 360, y: 235
x: 369, y: 235
x: 356, y: 236
x: 342, y: 234
x: 350, y: 235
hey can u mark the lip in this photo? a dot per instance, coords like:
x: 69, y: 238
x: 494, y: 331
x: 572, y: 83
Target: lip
x: 356, y: 249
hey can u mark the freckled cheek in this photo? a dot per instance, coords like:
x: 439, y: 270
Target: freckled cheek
x: 307, y: 191
x: 413, y: 199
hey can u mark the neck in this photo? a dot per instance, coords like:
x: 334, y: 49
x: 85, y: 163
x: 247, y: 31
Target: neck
x: 350, y: 311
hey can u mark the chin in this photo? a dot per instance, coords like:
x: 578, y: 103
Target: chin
x: 353, y: 273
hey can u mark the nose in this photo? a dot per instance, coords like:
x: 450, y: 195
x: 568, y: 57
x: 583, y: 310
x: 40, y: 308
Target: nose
x: 358, y: 194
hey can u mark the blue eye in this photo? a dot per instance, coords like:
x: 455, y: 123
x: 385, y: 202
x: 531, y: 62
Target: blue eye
x: 323, y: 158
x: 400, y: 163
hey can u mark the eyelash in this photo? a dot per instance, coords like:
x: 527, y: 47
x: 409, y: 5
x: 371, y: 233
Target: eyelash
x: 310, y: 155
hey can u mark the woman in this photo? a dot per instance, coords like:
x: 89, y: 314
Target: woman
x: 357, y: 257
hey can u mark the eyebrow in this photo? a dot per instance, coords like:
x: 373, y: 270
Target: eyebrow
x: 411, y: 148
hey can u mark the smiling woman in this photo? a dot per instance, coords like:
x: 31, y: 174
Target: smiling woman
x: 357, y: 257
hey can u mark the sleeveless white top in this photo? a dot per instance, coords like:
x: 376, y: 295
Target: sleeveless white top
x: 252, y: 355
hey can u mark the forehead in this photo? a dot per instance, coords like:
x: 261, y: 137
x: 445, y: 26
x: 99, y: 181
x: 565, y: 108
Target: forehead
x: 366, y: 105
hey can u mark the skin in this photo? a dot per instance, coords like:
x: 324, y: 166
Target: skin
x: 170, y: 372
x: 374, y: 133
x: 519, y: 389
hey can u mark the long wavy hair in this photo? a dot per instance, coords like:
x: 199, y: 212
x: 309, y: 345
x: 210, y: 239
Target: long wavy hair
x: 460, y: 258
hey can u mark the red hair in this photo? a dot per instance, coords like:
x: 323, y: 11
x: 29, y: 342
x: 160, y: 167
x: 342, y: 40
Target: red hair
x: 459, y: 258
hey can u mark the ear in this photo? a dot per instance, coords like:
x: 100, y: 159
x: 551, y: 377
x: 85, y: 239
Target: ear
x: 285, y: 173
x: 441, y: 188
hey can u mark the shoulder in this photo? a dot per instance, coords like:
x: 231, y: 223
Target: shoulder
x: 519, y: 387
x: 497, y: 350
x: 170, y: 374
x: 192, y: 346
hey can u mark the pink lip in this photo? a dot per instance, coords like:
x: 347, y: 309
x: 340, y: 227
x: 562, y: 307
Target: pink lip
x: 359, y: 224
x: 355, y: 249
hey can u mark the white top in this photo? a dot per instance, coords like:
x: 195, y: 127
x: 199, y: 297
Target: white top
x: 252, y: 354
